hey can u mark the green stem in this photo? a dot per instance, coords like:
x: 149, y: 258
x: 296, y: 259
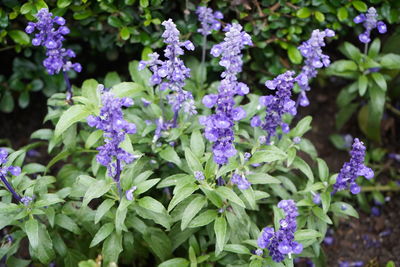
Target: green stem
x: 393, y: 109
x: 380, y: 188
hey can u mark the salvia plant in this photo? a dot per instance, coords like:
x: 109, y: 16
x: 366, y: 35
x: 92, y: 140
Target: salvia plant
x: 156, y: 173
x: 371, y: 73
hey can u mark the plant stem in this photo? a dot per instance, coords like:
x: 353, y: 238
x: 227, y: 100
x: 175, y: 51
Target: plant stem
x: 393, y: 109
x: 69, y: 89
x: 379, y: 188
x: 203, y: 55
x: 10, y: 188
x: 175, y: 120
x: 366, y: 49
x: 117, y: 177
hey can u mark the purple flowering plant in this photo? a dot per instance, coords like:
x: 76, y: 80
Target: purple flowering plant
x: 369, y: 74
x: 218, y: 173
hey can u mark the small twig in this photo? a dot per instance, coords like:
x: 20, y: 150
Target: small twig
x: 7, y: 48
x: 393, y: 109
x: 291, y: 5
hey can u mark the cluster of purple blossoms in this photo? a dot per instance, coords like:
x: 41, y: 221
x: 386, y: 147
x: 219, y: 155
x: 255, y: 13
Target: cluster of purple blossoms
x: 282, y: 242
x: 111, y: 121
x: 209, y: 20
x: 314, y: 59
x: 277, y: 105
x: 241, y: 181
x: 4, y: 170
x: 370, y: 22
x: 172, y: 72
x: 219, y: 126
x: 51, y: 38
x: 352, y: 169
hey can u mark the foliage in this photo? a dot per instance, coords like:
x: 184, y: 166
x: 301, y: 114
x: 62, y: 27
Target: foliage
x: 174, y: 205
x: 134, y: 26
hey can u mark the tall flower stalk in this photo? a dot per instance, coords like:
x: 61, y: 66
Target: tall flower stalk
x: 281, y: 242
x: 111, y: 121
x: 50, y: 34
x: 171, y: 73
x: 209, y: 21
x: 314, y: 60
x: 219, y: 126
x: 277, y: 105
x: 352, y: 169
x: 370, y: 22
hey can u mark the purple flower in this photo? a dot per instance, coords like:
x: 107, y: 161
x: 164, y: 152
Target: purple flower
x: 129, y: 193
x: 111, y: 121
x: 199, y: 175
x: 317, y: 199
x: 51, y: 35
x: 277, y: 105
x: 352, y: 169
x: 172, y: 72
x: 314, y: 59
x: 219, y: 126
x: 209, y: 20
x: 370, y: 22
x: 241, y: 181
x: 4, y: 170
x: 282, y: 242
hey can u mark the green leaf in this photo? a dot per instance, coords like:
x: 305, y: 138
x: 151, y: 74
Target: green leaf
x: 326, y: 201
x: 96, y: 190
x: 102, y: 234
x: 42, y: 134
x: 159, y: 243
x: 152, y: 205
x: 323, y: 170
x: 170, y: 155
x: 220, y: 229
x: 360, y: 6
x: 294, y: 55
x: 112, y: 247
x: 343, y: 208
x: 144, y: 3
x: 93, y: 138
x: 127, y: 89
x: 7, y: 102
x: 344, y: 65
x: 89, y: 90
x: 191, y: 210
x: 342, y: 14
x: 229, y: 194
x: 319, y: 16
x: 103, y: 209
x: 146, y: 185
x: 111, y: 79
x: 72, y: 115
x: 19, y: 37
x: 32, y: 231
x: 362, y: 84
x: 63, y: 3
x: 237, y: 249
x: 204, y: 218
x: 302, y: 127
x: 300, y: 164
x: 197, y: 143
x: 192, y: 160
x: 303, y: 13
x: 374, y: 48
x: 120, y: 215
x: 390, y: 61
x: 262, y: 178
x: 181, y: 194
x: 351, y: 51
x: 269, y: 154
x: 375, y: 113
x: 175, y: 262
x: 26, y: 8
x: 306, y: 234
x: 124, y: 33
x: 380, y: 80
x: 66, y: 222
x: 321, y: 215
